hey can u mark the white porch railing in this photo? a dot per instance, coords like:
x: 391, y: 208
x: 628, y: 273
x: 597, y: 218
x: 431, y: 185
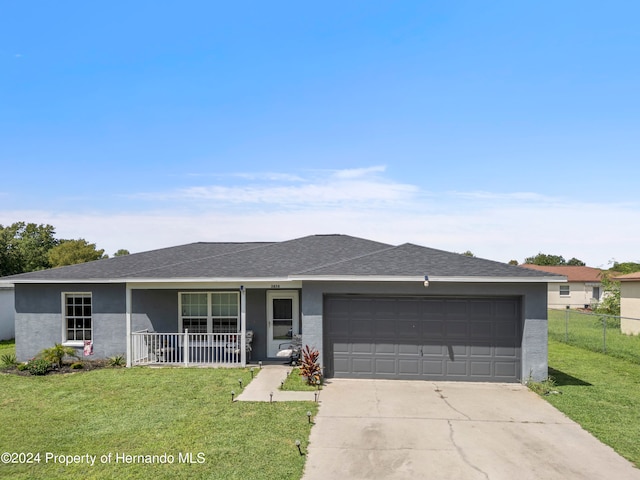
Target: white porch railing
x: 154, y: 348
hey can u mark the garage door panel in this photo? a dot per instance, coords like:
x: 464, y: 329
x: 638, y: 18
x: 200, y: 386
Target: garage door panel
x: 505, y: 329
x: 433, y: 368
x: 433, y: 330
x: 505, y: 370
x: 362, y: 365
x: 360, y: 348
x: 457, y: 369
x: 440, y: 338
x: 480, y: 350
x: 385, y: 328
x: 437, y: 350
x: 360, y: 327
x: 385, y: 366
x: 456, y: 329
x: 480, y: 369
x: 339, y: 326
x: 385, y: 349
x: 481, y: 308
x: 408, y: 349
x: 341, y: 365
x: 510, y: 352
x: 479, y: 329
x: 409, y: 367
x: 407, y: 328
x: 341, y: 348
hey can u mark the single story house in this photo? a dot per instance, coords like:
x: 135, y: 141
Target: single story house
x: 629, y: 303
x: 373, y: 310
x: 583, y: 288
x: 7, y: 311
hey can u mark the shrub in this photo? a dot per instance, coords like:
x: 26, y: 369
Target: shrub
x: 77, y: 366
x: 39, y: 366
x: 117, y: 361
x: 545, y: 387
x: 22, y: 367
x: 56, y: 354
x: 8, y: 360
x: 309, y: 367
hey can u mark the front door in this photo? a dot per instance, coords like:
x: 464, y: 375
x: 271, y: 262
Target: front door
x: 282, y: 318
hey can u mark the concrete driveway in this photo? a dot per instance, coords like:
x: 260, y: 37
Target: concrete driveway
x: 375, y: 429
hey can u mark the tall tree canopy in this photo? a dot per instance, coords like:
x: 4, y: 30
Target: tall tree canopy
x: 552, y: 260
x: 24, y: 247
x: 70, y: 252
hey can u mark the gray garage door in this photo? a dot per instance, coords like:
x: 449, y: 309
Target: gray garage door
x: 473, y: 339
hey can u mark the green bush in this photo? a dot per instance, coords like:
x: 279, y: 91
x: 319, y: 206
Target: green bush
x: 8, y: 360
x: 22, y: 367
x: 77, y: 366
x: 39, y: 366
x: 56, y: 354
x: 117, y: 361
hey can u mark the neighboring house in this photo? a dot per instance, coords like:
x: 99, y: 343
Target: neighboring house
x: 583, y: 288
x: 629, y: 303
x: 366, y: 306
x: 7, y: 312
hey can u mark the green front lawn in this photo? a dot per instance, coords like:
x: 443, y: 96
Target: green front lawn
x: 586, y: 331
x: 144, y: 411
x: 601, y: 393
x: 7, y: 347
x: 297, y: 382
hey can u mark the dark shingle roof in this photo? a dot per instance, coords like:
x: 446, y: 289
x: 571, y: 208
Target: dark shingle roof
x: 414, y: 260
x: 306, y: 257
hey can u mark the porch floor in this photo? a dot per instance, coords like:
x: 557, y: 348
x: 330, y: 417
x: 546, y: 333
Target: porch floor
x: 267, y: 381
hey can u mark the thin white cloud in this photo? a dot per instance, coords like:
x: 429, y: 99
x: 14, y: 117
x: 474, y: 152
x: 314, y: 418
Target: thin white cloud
x: 354, y: 186
x: 359, y: 172
x: 497, y: 225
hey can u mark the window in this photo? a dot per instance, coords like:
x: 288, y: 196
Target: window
x: 77, y: 317
x: 210, y: 312
x: 564, y: 291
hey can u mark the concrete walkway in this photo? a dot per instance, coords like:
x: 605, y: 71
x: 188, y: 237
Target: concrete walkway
x: 392, y: 429
x: 268, y: 381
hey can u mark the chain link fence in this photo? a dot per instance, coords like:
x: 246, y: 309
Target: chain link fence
x: 597, y: 332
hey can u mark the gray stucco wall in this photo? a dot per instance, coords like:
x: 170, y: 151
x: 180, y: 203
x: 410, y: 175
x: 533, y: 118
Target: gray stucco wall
x: 39, y: 318
x: 534, y: 306
x: 7, y: 314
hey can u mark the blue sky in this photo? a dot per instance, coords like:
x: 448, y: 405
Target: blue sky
x: 504, y: 128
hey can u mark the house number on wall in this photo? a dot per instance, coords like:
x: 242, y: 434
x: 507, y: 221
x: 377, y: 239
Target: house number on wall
x: 275, y: 286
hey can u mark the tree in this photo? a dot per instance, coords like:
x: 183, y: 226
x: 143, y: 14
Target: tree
x: 545, y: 259
x: 468, y: 253
x: 513, y: 262
x: 625, y: 267
x: 576, y: 263
x: 71, y: 252
x: 610, y: 304
x: 122, y: 252
x: 24, y: 247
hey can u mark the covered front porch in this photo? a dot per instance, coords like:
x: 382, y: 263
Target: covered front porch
x: 208, y: 325
x: 191, y: 349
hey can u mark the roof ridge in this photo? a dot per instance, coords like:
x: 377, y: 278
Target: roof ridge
x: 199, y: 259
x: 337, y: 262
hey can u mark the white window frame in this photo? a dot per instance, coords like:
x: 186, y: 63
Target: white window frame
x: 65, y: 340
x: 565, y: 290
x: 210, y: 317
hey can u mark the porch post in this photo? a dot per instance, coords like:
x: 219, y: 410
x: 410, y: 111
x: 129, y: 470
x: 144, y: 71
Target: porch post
x: 243, y: 326
x: 128, y: 322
